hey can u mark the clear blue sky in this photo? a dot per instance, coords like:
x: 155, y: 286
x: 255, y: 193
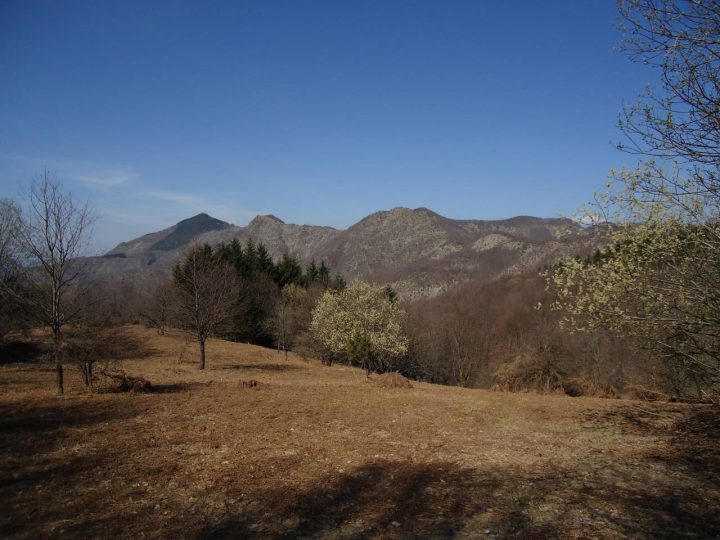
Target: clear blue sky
x: 317, y: 112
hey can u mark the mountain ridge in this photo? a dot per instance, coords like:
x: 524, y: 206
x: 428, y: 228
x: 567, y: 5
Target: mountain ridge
x: 418, y: 251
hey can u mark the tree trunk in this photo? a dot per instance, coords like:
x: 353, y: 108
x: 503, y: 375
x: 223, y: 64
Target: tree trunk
x: 59, y: 378
x: 202, y: 354
x: 285, y: 351
x: 89, y: 376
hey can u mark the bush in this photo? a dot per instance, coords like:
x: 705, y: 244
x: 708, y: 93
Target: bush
x: 529, y: 373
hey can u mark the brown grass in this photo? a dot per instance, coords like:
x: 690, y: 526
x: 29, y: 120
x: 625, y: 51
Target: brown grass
x: 317, y: 452
x: 391, y: 380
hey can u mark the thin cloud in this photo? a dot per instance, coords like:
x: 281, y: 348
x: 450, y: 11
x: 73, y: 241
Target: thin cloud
x: 94, y: 175
x: 186, y: 200
x: 195, y: 203
x: 106, y: 180
x: 129, y: 217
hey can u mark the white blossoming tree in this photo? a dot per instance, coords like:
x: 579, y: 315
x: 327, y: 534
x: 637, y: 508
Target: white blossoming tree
x: 660, y: 276
x: 362, y: 323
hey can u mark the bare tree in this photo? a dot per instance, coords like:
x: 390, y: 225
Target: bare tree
x: 469, y: 329
x: 681, y: 39
x: 157, y: 306
x: 290, y: 312
x: 207, y: 290
x: 10, y: 223
x: 55, y: 232
x: 96, y: 343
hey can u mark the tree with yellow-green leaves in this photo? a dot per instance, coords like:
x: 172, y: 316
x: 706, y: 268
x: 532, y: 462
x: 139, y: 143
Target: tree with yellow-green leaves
x: 362, y: 323
x: 659, y: 278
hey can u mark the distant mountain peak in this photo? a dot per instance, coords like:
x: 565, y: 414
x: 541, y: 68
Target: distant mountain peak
x: 266, y: 219
x: 273, y: 218
x: 187, y: 229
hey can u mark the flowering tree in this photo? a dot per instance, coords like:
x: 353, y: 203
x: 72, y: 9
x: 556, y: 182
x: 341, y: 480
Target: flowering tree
x: 660, y: 276
x: 361, y: 322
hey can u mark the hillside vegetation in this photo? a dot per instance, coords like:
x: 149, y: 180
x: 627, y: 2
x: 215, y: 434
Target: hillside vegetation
x: 324, y: 452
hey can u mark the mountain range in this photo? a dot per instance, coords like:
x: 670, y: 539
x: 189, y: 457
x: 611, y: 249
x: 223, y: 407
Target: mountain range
x: 418, y: 251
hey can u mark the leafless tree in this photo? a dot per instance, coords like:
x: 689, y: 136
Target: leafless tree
x: 96, y: 343
x: 157, y: 306
x: 207, y: 290
x: 54, y: 234
x: 291, y: 316
x: 10, y: 223
x: 469, y: 329
x: 681, y: 39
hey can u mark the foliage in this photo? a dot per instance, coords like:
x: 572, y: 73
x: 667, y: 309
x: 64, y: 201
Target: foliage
x: 359, y: 350
x: 361, y: 322
x: 263, y: 280
x: 661, y: 274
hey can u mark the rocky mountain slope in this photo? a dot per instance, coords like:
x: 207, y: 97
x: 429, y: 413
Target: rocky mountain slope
x: 417, y: 250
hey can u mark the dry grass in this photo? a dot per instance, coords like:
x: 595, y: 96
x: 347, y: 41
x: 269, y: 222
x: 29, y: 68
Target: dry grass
x: 317, y: 452
x: 390, y: 380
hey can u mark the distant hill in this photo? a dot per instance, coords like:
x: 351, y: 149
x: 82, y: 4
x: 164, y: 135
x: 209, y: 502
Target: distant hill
x: 188, y: 229
x: 416, y: 250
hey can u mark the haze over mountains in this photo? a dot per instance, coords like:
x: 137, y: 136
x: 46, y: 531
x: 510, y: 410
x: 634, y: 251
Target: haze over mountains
x: 416, y: 250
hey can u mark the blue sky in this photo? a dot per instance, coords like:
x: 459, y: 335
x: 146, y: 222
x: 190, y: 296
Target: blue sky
x: 317, y: 112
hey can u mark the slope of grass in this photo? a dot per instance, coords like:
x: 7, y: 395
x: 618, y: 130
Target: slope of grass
x: 321, y: 452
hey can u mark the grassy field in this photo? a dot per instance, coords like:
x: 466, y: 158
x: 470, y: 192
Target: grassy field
x: 322, y: 452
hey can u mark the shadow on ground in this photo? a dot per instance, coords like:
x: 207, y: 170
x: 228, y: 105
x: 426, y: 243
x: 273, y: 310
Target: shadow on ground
x: 386, y: 499
x: 691, y: 434
x: 40, y: 427
x: 21, y: 351
x: 112, y: 479
x: 263, y: 367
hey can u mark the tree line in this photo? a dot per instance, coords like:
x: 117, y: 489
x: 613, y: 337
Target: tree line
x: 645, y: 308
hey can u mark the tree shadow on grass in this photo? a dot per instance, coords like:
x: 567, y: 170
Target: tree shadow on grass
x: 422, y: 500
x: 42, y: 457
x: 695, y: 445
x: 263, y: 367
x: 173, y: 388
x: 377, y: 499
x: 39, y: 427
x: 386, y: 499
x: 21, y: 352
x: 691, y: 432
